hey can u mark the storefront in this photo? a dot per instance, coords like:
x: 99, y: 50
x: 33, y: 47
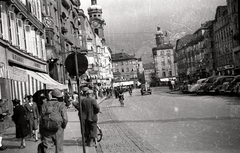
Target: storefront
x: 23, y: 74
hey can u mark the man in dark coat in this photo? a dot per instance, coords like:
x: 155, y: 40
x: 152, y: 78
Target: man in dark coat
x: 20, y: 120
x: 90, y: 109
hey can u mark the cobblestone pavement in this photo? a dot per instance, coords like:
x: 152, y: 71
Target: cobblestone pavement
x: 117, y: 136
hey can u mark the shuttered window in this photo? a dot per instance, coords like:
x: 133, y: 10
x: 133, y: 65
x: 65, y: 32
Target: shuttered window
x: 4, y: 21
x: 21, y: 38
x: 39, y: 45
x: 28, y: 37
x: 33, y: 44
x: 43, y: 49
x: 13, y: 28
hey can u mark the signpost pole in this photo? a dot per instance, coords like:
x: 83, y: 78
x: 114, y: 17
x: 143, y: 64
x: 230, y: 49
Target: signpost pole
x: 79, y: 100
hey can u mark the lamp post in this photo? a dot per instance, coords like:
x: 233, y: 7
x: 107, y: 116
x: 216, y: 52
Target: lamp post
x: 76, y: 65
x: 79, y: 100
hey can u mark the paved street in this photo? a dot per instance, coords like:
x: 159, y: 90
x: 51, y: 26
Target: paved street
x: 72, y: 137
x: 164, y: 122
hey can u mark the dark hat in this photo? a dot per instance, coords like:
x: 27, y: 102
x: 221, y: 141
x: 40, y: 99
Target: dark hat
x: 57, y: 93
x: 16, y: 101
x: 89, y: 92
x: 29, y: 96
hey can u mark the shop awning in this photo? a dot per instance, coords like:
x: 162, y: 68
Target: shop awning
x: 47, y: 80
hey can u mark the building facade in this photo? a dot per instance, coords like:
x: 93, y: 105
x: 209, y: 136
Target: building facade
x: 125, y: 67
x: 181, y: 57
x: 149, y: 72
x: 163, y: 57
x: 214, y: 48
x: 100, y: 68
x: 232, y: 6
x: 223, y: 42
x: 22, y: 48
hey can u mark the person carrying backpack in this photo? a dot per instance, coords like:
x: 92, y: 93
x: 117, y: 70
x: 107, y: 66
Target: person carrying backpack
x: 54, y: 120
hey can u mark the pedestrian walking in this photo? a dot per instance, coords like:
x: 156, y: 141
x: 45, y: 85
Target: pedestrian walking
x: 53, y: 121
x: 4, y: 111
x: 169, y: 84
x: 20, y: 119
x: 90, y: 109
x: 173, y: 84
x: 33, y: 117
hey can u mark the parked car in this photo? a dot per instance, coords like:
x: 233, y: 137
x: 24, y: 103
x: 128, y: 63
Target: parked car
x: 197, y: 85
x: 204, y: 88
x: 218, y: 83
x: 186, y: 86
x: 145, y: 89
x: 236, y: 89
x: 232, y: 86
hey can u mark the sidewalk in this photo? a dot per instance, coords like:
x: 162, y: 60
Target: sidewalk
x: 72, y: 137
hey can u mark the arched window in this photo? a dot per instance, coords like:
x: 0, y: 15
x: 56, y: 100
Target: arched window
x: 96, y: 31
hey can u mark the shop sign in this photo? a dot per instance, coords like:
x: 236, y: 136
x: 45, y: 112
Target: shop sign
x: 25, y: 62
x: 17, y: 74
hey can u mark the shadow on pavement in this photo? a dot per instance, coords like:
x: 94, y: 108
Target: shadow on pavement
x: 72, y: 143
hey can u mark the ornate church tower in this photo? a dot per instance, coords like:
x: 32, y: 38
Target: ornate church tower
x: 159, y: 36
x: 95, y: 17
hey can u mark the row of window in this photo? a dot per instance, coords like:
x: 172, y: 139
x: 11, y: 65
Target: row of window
x: 127, y: 70
x: 126, y: 63
x: 34, y: 7
x: 20, y: 34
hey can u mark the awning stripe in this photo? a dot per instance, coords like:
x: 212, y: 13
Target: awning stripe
x: 19, y: 89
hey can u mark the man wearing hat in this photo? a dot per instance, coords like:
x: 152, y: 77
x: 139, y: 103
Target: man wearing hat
x: 52, y: 139
x: 90, y: 109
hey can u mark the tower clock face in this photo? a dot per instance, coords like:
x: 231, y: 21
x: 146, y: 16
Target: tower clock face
x: 95, y: 24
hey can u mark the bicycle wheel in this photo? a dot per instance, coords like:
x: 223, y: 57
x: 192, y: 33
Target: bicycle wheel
x: 99, y: 134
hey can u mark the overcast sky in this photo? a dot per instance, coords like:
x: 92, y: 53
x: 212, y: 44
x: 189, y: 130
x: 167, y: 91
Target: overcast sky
x: 132, y: 24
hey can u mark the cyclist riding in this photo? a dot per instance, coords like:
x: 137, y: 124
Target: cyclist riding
x: 130, y: 91
x: 121, y: 97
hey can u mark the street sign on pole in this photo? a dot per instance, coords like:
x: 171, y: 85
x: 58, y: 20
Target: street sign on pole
x: 76, y: 65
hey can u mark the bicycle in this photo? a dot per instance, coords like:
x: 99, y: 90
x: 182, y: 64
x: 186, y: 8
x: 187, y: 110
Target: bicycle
x: 99, y: 134
x: 121, y: 98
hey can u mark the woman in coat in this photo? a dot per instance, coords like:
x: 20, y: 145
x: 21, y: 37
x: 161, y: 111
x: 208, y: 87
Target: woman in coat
x: 20, y: 120
x: 33, y: 116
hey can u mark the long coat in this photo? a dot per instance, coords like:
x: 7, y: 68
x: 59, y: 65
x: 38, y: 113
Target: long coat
x: 90, y: 109
x: 33, y: 115
x: 20, y: 120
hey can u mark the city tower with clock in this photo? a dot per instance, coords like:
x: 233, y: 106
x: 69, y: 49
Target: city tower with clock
x: 95, y: 17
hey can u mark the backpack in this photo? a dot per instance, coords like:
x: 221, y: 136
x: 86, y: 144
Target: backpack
x: 50, y: 120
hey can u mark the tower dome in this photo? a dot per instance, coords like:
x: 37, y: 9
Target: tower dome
x: 95, y: 8
x: 159, y: 31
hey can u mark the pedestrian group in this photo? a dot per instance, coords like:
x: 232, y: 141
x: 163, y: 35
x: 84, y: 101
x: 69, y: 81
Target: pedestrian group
x: 47, y: 118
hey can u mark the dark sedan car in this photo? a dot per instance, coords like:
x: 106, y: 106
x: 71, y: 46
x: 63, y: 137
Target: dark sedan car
x: 218, y: 83
x: 233, y: 85
x: 145, y: 89
x: 204, y: 88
